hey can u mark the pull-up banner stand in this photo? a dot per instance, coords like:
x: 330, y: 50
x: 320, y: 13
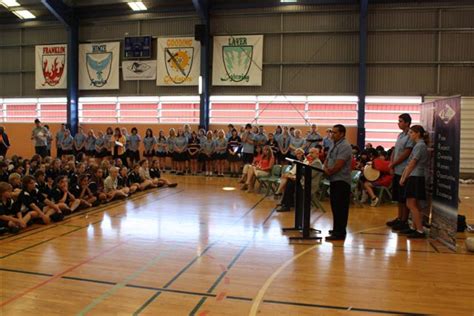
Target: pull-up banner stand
x: 446, y: 133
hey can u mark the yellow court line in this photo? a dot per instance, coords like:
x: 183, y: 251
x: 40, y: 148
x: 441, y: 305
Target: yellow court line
x: 259, y: 298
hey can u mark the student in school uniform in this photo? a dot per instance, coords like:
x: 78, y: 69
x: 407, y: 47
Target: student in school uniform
x: 63, y: 198
x: 134, y: 178
x: 296, y: 142
x: 82, y: 192
x: 193, y: 152
x: 233, y: 153
x: 109, y: 142
x: 55, y: 170
x: 248, y: 145
x: 256, y: 161
x: 313, y: 138
x: 202, y: 138
x: 123, y: 181
x: 161, y: 150
x: 220, y: 152
x: 207, y: 153
x: 90, y: 143
x: 14, y: 179
x: 134, y: 141
x: 41, y: 183
x: 59, y: 138
x: 262, y: 169
x: 146, y: 180
x: 260, y: 138
x: 187, y: 131
x: 413, y: 178
x: 149, y: 142
x: 100, y: 150
x: 8, y: 221
x: 180, y: 149
x: 67, y: 144
x: 96, y: 184
x: 32, y: 204
x: 111, y: 186
x: 120, y: 141
x: 170, y: 148
x: 228, y: 134
x: 278, y: 133
x: 272, y: 142
x: 79, y: 141
x: 155, y: 175
x: 284, y: 146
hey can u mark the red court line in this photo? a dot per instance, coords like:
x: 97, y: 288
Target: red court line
x: 56, y: 276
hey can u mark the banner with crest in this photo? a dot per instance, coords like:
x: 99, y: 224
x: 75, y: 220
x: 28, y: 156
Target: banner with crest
x: 139, y: 70
x: 179, y: 61
x: 51, y: 66
x: 99, y: 66
x: 237, y: 60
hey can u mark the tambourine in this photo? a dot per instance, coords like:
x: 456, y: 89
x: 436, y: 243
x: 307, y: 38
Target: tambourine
x: 370, y: 173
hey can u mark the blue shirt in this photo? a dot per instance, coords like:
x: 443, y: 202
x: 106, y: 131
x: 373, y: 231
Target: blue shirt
x: 246, y: 147
x: 403, y: 142
x: 90, y: 143
x: 313, y: 139
x: 260, y: 139
x: 181, y: 142
x: 149, y: 142
x: 341, y: 150
x: 297, y: 143
x: 66, y: 143
x: 284, y: 142
x: 420, y: 153
x: 79, y: 140
x: 134, y: 142
x: 208, y: 146
x: 99, y: 142
x: 222, y: 143
x: 161, y: 143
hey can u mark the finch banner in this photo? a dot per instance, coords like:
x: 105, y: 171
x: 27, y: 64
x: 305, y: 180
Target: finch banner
x: 237, y: 60
x: 139, y: 70
x: 179, y: 61
x: 99, y: 66
x: 51, y: 66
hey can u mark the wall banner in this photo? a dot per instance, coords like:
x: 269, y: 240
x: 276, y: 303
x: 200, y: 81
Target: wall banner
x: 178, y: 61
x: 445, y: 199
x: 99, y: 66
x: 139, y: 70
x: 51, y: 66
x: 237, y: 60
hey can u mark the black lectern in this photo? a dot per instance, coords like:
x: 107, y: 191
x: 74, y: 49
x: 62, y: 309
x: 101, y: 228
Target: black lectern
x: 303, y: 202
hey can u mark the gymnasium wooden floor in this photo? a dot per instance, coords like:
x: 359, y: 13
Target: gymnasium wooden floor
x: 200, y: 250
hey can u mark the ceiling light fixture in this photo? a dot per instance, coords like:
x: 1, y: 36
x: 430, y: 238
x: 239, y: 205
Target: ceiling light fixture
x: 24, y: 14
x: 137, y: 6
x: 9, y: 3
x: 288, y: 1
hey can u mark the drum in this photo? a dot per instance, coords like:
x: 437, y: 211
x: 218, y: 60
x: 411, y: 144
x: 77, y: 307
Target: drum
x: 370, y: 173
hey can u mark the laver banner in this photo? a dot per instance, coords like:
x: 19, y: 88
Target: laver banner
x: 237, y: 60
x: 51, y: 66
x: 99, y: 66
x: 179, y: 61
x: 447, y: 122
x: 139, y: 70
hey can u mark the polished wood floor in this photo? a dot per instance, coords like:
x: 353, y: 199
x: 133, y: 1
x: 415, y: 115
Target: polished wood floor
x: 201, y: 250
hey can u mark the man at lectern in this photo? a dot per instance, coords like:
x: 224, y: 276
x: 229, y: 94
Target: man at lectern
x: 338, y: 168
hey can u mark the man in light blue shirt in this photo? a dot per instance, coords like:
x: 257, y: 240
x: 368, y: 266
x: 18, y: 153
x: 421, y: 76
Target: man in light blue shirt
x: 398, y: 163
x: 338, y: 168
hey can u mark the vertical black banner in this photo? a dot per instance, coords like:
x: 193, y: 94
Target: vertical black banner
x: 447, y: 122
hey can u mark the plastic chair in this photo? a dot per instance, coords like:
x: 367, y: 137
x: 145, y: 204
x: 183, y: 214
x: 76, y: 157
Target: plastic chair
x: 272, y: 179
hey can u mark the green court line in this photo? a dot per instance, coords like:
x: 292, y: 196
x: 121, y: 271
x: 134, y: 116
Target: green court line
x: 120, y: 285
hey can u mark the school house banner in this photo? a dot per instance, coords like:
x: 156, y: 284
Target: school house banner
x: 99, y: 66
x: 51, y: 66
x: 237, y: 60
x: 178, y: 61
x: 139, y: 70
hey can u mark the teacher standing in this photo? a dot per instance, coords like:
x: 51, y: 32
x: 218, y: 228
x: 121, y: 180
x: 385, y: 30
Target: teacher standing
x: 338, y: 168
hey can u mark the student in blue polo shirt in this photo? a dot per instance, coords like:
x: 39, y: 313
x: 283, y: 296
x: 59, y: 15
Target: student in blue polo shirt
x: 67, y: 143
x: 170, y: 149
x: 134, y: 141
x: 284, y: 146
x: 149, y: 142
x: 79, y: 141
x: 100, y: 150
x: 208, y: 147
x: 90, y: 143
x: 233, y: 153
x: 221, y: 152
x: 193, y: 152
x: 248, y: 145
x: 180, y: 149
x: 313, y: 138
x: 296, y: 142
x: 161, y: 150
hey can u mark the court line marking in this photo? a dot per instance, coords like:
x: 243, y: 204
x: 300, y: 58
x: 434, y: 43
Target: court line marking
x: 151, y: 299
x: 58, y: 275
x: 218, y: 280
x: 121, y: 284
x: 248, y: 299
x: 86, y: 226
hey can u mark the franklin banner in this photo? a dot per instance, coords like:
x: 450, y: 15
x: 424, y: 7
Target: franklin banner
x: 447, y: 123
x: 179, y: 61
x: 99, y: 66
x: 51, y: 66
x: 237, y: 60
x: 139, y: 70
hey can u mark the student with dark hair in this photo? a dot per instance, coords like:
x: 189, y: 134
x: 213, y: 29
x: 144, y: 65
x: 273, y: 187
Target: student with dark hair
x: 100, y: 149
x: 32, y: 204
x: 170, y: 144
x: 134, y: 141
x: 398, y: 162
x: 82, y: 191
x: 149, y: 142
x: 145, y: 179
x: 119, y: 145
x: 338, y: 168
x: 4, y: 142
x: 413, y: 178
x: 80, y: 141
x: 161, y: 150
x: 59, y: 138
x: 111, y: 186
x: 220, y: 152
x: 63, y: 198
x: 233, y: 152
x: 40, y: 137
x: 248, y: 145
x: 193, y: 152
x: 180, y: 150
x: 155, y: 175
x: 284, y: 146
x: 96, y: 184
x: 313, y: 138
x: 90, y: 143
x: 67, y: 144
x: 208, y: 147
x: 109, y: 142
x: 8, y: 221
x: 123, y: 181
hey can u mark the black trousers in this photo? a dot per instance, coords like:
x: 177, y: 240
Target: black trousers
x: 289, y: 195
x: 340, y: 198
x: 41, y: 150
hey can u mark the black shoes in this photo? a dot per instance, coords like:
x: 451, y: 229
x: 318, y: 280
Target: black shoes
x: 416, y: 235
x: 393, y: 222
x: 400, y: 226
x: 283, y: 208
x: 335, y: 237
